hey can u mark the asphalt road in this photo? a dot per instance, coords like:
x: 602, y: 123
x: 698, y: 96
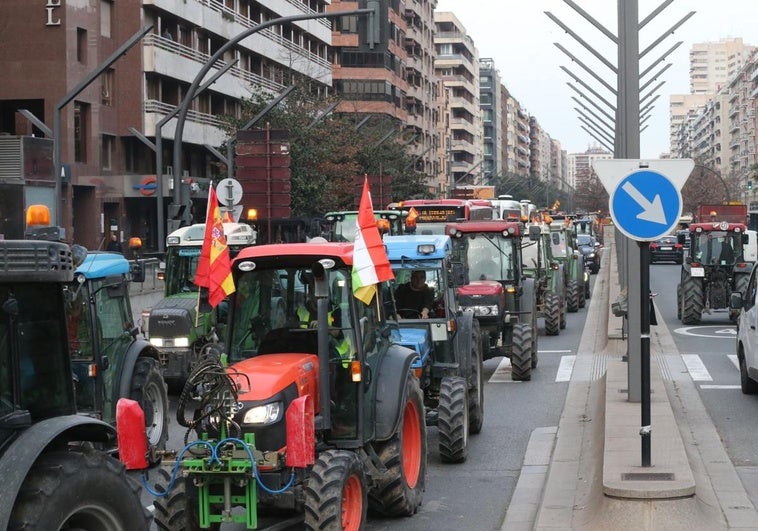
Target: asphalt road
x: 709, y: 352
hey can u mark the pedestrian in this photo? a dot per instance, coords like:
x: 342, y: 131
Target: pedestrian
x: 114, y: 245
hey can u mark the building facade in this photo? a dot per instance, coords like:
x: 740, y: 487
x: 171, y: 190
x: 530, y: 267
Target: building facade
x: 457, y: 65
x: 107, y: 128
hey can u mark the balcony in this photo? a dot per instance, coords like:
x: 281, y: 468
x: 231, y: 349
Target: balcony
x: 200, y: 128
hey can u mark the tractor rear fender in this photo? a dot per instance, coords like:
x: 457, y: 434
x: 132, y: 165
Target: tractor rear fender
x: 391, y: 374
x: 137, y: 349
x: 18, y: 458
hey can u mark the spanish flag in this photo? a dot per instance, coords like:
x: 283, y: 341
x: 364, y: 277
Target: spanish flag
x: 370, y: 262
x: 214, y: 270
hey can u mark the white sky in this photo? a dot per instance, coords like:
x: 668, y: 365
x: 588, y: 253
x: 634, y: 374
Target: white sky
x: 519, y: 37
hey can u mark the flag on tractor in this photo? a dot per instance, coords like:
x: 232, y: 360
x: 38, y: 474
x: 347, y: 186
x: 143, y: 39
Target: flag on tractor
x: 214, y: 270
x: 370, y: 262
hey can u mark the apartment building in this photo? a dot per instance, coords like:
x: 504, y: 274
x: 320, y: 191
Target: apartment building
x: 712, y: 66
x: 580, y: 165
x: 457, y: 65
x: 111, y: 174
x: 490, y: 102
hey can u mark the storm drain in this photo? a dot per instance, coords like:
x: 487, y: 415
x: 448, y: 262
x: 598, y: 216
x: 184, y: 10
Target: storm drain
x: 647, y: 476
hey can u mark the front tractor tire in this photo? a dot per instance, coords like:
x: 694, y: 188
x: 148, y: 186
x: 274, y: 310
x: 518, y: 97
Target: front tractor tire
x: 572, y: 296
x: 453, y: 423
x: 476, y: 384
x: 401, y: 491
x: 335, y: 496
x: 692, y: 301
x: 179, y: 509
x: 522, y: 355
x: 551, y: 311
x: 81, y: 489
x: 149, y: 390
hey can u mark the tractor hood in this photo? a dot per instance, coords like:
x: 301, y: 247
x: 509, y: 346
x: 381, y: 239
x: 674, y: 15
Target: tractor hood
x: 481, y: 288
x: 269, y: 374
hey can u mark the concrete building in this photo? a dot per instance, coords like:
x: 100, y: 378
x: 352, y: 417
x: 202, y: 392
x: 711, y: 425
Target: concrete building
x: 112, y: 177
x: 457, y: 65
x: 712, y: 65
x: 580, y: 166
x: 390, y: 75
x: 491, y: 104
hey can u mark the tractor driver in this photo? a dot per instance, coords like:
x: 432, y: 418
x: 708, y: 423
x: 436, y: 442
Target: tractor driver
x: 415, y: 296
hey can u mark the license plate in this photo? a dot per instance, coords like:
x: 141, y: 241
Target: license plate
x: 697, y: 272
x: 665, y: 248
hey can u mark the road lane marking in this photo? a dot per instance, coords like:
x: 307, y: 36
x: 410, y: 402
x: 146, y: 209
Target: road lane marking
x: 565, y: 369
x: 553, y: 351
x: 696, y: 368
x: 733, y: 359
x: 502, y: 373
x: 720, y: 331
x: 705, y: 386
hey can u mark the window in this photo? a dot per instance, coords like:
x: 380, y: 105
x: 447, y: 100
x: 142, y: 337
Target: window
x: 106, y: 12
x: 81, y: 45
x: 106, y: 157
x: 81, y: 120
x: 106, y: 90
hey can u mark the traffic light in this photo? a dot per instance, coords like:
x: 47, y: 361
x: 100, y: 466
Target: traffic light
x: 750, y: 184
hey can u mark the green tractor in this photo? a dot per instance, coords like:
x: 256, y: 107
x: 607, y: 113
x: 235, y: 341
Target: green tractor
x: 565, y: 251
x: 549, y: 277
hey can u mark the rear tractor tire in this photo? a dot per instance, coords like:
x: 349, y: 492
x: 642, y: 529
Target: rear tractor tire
x: 521, y: 356
x: 551, y: 310
x: 692, y: 301
x: 572, y: 296
x: 149, y: 390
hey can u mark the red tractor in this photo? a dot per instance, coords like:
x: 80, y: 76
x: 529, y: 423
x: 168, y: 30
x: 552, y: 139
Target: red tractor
x: 317, y: 411
x: 501, y: 298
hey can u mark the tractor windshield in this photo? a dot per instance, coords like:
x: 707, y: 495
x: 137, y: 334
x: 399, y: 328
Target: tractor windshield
x: 181, y: 265
x: 275, y: 310
x: 488, y: 256
x: 716, y: 247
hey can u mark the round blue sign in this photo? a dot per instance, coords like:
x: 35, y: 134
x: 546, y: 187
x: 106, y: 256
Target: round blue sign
x: 645, y: 205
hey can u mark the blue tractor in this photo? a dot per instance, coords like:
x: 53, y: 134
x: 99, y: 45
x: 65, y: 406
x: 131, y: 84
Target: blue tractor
x: 447, y: 340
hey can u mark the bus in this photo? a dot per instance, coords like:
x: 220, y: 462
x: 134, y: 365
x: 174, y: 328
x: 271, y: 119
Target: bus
x: 429, y: 216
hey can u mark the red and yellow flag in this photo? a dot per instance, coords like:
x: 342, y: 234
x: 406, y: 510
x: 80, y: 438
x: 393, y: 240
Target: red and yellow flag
x: 214, y: 270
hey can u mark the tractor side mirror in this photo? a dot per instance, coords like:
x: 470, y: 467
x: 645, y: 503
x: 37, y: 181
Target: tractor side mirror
x: 745, y: 238
x: 735, y: 300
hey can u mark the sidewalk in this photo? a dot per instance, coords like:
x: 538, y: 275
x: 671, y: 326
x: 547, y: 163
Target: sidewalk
x: 586, y: 475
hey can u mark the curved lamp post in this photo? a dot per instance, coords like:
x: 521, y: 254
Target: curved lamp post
x: 184, y: 106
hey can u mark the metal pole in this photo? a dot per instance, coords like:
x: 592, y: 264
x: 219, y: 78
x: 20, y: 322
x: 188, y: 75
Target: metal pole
x: 645, y: 302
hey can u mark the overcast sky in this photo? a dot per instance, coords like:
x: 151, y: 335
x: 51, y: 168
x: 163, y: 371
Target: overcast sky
x: 519, y: 36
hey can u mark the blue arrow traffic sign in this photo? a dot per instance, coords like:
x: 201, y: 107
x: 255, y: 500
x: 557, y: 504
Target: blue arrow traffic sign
x: 645, y: 205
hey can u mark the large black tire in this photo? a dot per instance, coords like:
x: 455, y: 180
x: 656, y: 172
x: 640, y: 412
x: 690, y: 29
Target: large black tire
x: 679, y: 301
x: 572, y: 296
x: 747, y: 384
x: 401, y: 491
x: 551, y: 311
x: 453, y: 419
x: 587, y: 290
x: 179, y: 508
x: 476, y: 383
x: 82, y: 489
x: 521, y: 353
x: 149, y: 390
x: 335, y: 495
x: 692, y: 301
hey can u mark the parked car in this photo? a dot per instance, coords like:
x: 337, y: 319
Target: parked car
x: 747, y: 336
x: 590, y: 248
x: 666, y: 249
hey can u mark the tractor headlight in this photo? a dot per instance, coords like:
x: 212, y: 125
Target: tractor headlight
x: 181, y: 342
x: 156, y: 341
x: 591, y: 255
x: 263, y: 415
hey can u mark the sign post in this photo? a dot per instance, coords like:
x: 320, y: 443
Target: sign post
x: 645, y: 203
